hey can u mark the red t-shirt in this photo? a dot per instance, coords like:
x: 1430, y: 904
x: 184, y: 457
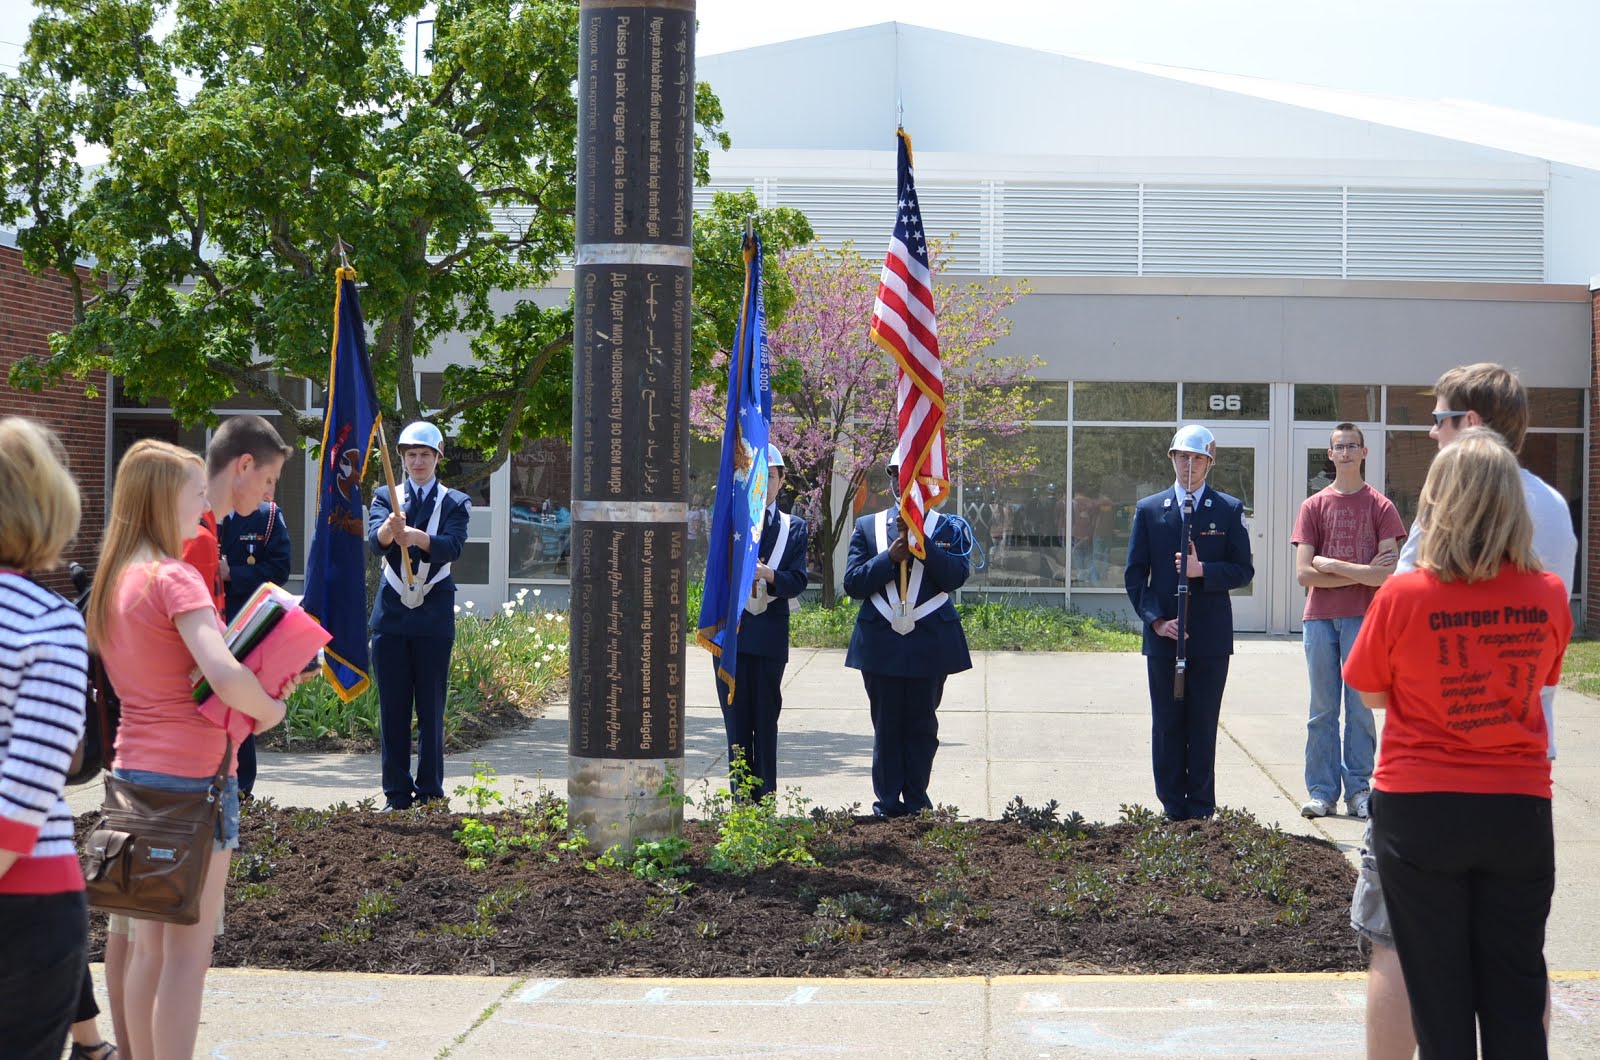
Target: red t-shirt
x: 149, y: 665
x: 1463, y: 663
x: 204, y: 554
x: 1347, y: 526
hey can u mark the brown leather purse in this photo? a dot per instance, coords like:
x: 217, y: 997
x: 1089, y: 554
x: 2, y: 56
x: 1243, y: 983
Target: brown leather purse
x: 148, y: 853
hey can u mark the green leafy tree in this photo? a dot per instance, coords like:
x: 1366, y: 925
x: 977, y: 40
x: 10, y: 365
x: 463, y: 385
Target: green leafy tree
x: 208, y: 171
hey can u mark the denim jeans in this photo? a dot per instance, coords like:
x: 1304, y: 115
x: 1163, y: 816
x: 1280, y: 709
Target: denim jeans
x: 227, y: 834
x: 1327, y: 643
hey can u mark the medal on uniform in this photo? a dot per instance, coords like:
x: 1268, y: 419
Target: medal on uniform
x: 251, y: 558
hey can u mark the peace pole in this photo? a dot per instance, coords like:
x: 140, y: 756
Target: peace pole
x: 630, y: 401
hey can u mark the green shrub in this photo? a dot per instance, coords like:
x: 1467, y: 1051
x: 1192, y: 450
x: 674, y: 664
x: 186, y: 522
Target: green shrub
x: 754, y: 833
x: 510, y: 660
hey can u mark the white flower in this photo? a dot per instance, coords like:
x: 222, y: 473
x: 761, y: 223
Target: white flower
x: 508, y: 607
x: 458, y: 609
x: 495, y: 643
x: 530, y: 629
x: 536, y: 592
x: 536, y: 664
x: 469, y: 605
x: 550, y: 616
x: 522, y: 593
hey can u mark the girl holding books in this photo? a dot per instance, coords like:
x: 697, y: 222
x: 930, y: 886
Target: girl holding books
x: 153, y: 621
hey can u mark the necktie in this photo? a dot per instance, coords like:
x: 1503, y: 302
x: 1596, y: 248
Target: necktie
x: 419, y: 501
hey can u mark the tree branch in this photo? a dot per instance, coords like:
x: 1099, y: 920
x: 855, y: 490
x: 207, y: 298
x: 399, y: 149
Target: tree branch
x: 252, y: 384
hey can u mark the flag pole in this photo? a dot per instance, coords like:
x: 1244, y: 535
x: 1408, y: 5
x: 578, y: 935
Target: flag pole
x: 394, y: 500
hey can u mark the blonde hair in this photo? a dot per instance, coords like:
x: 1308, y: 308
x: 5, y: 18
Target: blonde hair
x: 39, y: 505
x: 1473, y: 512
x: 144, y: 515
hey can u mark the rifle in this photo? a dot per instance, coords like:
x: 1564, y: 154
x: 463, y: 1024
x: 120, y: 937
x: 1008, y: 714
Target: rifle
x: 1182, y: 666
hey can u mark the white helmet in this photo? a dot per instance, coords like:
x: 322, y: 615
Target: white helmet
x: 1193, y: 439
x: 422, y: 433
x: 774, y: 458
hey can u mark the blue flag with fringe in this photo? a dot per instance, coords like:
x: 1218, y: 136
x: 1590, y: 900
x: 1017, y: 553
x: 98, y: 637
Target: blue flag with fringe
x: 740, y: 504
x: 336, y: 563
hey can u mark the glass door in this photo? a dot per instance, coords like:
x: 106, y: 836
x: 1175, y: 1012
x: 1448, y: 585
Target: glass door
x: 1241, y: 471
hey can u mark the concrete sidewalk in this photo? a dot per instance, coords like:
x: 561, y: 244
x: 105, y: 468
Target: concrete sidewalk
x: 1074, y: 728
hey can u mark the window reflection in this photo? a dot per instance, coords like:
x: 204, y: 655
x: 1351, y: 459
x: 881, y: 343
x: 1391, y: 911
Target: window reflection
x: 1112, y: 467
x: 1021, y: 527
x: 541, y: 509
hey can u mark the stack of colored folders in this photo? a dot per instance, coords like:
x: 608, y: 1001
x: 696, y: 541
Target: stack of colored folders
x: 274, y: 638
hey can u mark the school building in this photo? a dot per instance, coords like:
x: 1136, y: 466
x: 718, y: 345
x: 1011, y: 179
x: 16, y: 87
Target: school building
x: 1266, y: 258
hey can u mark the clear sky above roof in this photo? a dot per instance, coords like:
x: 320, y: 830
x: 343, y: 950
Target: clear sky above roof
x: 1536, y: 55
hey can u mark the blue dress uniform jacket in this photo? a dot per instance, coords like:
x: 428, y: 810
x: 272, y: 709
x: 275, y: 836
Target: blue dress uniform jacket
x: 767, y: 634
x: 411, y: 646
x: 1184, y: 732
x: 938, y: 646
x: 904, y: 674
x: 751, y: 720
x: 262, y: 536
x: 437, y: 614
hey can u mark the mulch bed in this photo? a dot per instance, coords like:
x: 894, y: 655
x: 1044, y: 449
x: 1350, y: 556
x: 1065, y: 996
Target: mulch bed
x: 359, y: 891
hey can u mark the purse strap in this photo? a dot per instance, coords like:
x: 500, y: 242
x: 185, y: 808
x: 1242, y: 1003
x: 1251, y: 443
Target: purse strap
x: 220, y: 781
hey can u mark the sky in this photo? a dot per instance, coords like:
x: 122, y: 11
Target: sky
x: 1534, y: 55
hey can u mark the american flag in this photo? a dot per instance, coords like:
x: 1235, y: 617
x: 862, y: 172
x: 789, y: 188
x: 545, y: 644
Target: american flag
x: 903, y: 323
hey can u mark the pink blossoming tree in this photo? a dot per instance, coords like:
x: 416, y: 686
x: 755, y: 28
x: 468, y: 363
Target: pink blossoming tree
x: 833, y: 392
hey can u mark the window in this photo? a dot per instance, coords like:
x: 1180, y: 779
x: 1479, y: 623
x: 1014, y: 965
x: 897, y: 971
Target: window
x: 1227, y: 401
x: 1112, y: 467
x: 541, y: 510
x: 1124, y: 402
x: 1336, y: 403
x: 1020, y: 527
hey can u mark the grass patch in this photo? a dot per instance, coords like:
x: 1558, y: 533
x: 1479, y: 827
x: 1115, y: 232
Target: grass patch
x: 1581, y: 669
x: 989, y: 627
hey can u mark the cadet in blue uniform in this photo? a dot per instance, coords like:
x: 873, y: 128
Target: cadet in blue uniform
x: 1183, y: 741
x: 413, y: 629
x: 255, y: 548
x: 752, y: 719
x: 904, y: 668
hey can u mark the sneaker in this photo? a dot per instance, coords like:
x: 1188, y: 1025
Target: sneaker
x: 1316, y: 808
x: 1358, y: 804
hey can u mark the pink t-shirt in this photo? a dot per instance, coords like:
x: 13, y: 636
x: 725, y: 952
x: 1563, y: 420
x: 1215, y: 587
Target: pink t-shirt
x: 1345, y: 526
x: 149, y: 666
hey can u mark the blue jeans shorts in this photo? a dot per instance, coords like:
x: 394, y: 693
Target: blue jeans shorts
x: 1368, y: 913
x: 227, y: 837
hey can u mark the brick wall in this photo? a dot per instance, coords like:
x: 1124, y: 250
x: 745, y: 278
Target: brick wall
x: 31, y: 308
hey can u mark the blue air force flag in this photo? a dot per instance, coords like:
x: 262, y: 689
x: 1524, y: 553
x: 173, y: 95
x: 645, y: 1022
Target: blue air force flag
x: 739, y: 507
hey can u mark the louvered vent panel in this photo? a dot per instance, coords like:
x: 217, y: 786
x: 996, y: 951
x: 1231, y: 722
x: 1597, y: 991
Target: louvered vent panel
x: 953, y: 214
x: 843, y: 211
x: 1071, y: 230
x: 1242, y: 231
x: 702, y: 195
x: 512, y: 220
x: 1442, y: 235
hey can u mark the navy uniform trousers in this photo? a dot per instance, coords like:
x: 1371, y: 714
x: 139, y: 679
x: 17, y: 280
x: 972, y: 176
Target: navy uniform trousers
x: 411, y: 648
x: 751, y: 720
x: 1183, y: 733
x: 904, y: 675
